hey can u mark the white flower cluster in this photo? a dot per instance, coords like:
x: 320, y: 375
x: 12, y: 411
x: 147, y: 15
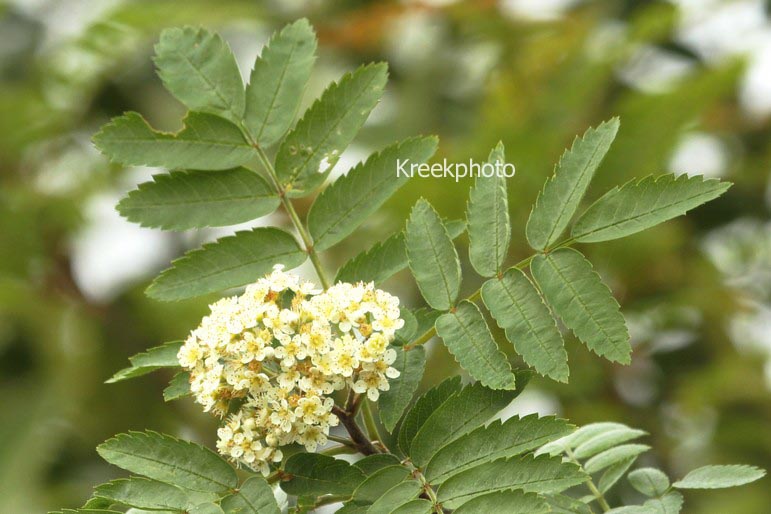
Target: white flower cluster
x: 280, y: 350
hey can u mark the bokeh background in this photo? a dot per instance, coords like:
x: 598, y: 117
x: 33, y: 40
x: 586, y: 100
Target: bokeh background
x: 690, y: 79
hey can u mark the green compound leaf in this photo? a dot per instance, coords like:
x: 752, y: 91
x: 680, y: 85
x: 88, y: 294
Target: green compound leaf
x: 393, y: 402
x: 386, y: 258
x: 517, y: 307
x: 460, y: 414
x: 198, y: 68
x: 228, y: 262
x: 577, y: 294
x: 718, y: 477
x: 562, y: 193
x: 494, y: 441
x: 352, y: 198
x: 143, y: 493
x: 488, y: 220
x: 641, y: 204
x: 167, y: 459
x: 432, y: 256
x: 314, y: 474
x: 613, y: 456
x: 467, y: 337
x: 255, y: 496
x: 505, y: 502
x: 183, y: 200
x: 206, y: 142
x: 649, y: 481
x: 423, y: 408
x: 164, y: 356
x: 278, y: 81
x: 178, y: 387
x: 538, y: 475
x: 311, y: 149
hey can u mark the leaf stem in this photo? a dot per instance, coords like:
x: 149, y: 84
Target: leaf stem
x: 473, y: 297
x: 372, y: 430
x: 590, y: 483
x: 359, y: 438
x: 288, y: 207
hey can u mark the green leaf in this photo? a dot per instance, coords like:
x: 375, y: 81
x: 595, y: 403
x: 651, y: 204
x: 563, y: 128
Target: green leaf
x: 164, y: 356
x: 423, y: 408
x: 97, y: 503
x: 718, y: 477
x: 350, y: 508
x: 644, y: 203
x: 460, y: 414
x: 517, y: 307
x: 278, y: 81
x: 314, y: 474
x: 562, y: 193
x: 579, y: 437
x: 167, y: 459
x: 207, y: 508
x: 414, y: 507
x: 432, y: 256
x: 354, y: 197
x: 614, y: 473
x: 205, y: 143
x: 614, y: 455
x: 143, y: 493
x: 649, y: 481
x: 467, y: 337
x: 255, y: 496
x: 385, y: 258
x: 231, y: 261
x: 494, y: 441
x: 378, y: 483
x: 198, y: 68
x: 563, y: 504
x: 505, y: 502
x: 426, y: 319
x: 371, y: 463
x: 179, y: 387
x: 310, y: 151
x: 88, y: 511
x: 393, y: 402
x: 405, y: 334
x: 605, y: 440
x: 183, y: 200
x: 398, y: 495
x: 538, y: 475
x: 488, y: 220
x: 577, y: 294
x: 670, y: 503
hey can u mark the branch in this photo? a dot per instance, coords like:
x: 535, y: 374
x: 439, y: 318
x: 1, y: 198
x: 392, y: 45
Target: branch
x: 360, y: 440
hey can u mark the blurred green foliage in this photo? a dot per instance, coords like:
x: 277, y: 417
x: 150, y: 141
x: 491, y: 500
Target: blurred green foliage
x: 696, y: 290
